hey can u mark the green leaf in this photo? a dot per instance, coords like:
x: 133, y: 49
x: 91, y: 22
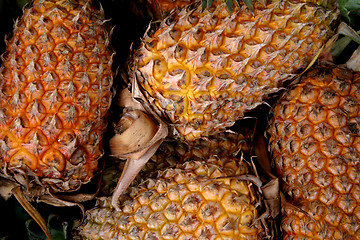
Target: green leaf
x: 229, y: 4
x: 350, y: 5
x: 209, y: 3
x: 349, y: 10
x: 249, y: 4
x: 203, y: 5
x: 33, y: 231
x: 340, y: 46
x: 57, y: 229
x: 349, y: 35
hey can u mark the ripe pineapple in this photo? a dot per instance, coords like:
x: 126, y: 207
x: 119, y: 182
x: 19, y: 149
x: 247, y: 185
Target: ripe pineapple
x: 56, y: 82
x: 314, y: 142
x: 172, y: 152
x: 202, y: 70
x: 191, y: 201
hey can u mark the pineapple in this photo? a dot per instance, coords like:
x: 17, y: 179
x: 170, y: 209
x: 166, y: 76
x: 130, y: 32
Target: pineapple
x: 314, y: 142
x: 200, y: 71
x: 194, y: 200
x: 56, y: 82
x: 172, y: 152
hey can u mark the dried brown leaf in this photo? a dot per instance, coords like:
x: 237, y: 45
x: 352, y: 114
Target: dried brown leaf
x: 271, y: 192
x: 136, y: 137
x: 354, y: 61
x: 6, y: 187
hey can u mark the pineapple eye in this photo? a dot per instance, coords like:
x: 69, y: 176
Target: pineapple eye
x: 282, y: 36
x: 79, y: 156
x: 170, y: 20
x: 67, y: 137
x: 176, y: 72
x: 198, y: 34
x: 265, y: 28
x: 224, y: 76
x: 269, y: 49
x: 192, y: 20
x: 252, y: 42
x: 237, y: 57
x: 175, y: 35
x: 256, y: 64
x: 54, y: 158
x: 342, y: 73
x: 159, y: 69
x: 203, y: 74
x: 150, y: 45
x: 180, y: 53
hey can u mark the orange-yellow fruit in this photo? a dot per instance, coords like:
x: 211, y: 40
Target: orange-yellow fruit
x: 314, y: 142
x: 195, y: 200
x: 203, y: 70
x: 56, y: 82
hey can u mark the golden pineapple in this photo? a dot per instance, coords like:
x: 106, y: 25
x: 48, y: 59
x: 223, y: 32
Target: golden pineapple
x: 314, y: 142
x: 56, y: 82
x: 202, y: 70
x: 194, y: 200
x: 172, y: 152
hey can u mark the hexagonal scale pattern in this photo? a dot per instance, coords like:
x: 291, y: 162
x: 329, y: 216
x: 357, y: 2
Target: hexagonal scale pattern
x: 202, y: 70
x: 55, y: 91
x: 194, y: 200
x: 314, y: 141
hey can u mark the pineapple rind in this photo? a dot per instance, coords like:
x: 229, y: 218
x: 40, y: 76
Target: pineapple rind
x: 202, y: 70
x: 314, y: 141
x: 56, y: 82
x: 185, y: 202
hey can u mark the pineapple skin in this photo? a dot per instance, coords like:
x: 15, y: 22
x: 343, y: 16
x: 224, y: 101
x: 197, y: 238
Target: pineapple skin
x: 184, y: 202
x: 56, y: 82
x: 314, y: 142
x: 202, y: 70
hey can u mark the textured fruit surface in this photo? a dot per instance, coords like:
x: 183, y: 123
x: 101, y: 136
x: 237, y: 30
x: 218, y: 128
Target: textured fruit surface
x: 55, y: 92
x: 191, y: 201
x: 314, y: 142
x: 202, y: 70
x: 172, y: 152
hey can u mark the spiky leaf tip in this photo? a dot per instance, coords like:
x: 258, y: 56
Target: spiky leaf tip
x: 350, y: 10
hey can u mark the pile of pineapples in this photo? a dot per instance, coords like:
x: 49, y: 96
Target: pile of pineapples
x: 219, y: 75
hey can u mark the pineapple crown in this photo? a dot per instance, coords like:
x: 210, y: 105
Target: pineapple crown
x: 350, y: 10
